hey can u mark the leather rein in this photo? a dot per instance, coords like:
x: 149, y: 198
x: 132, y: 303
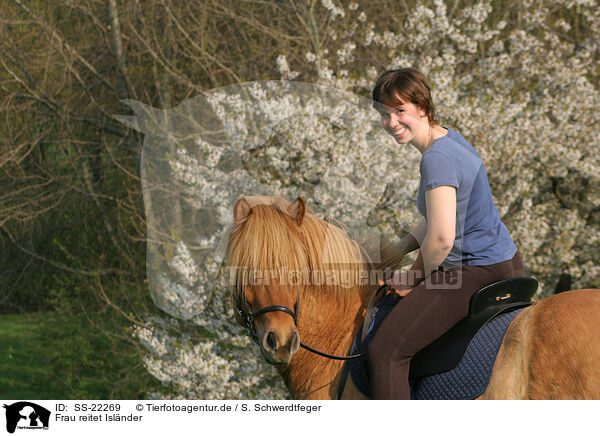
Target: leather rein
x: 248, y: 318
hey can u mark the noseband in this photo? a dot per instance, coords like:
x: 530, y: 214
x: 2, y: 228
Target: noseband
x: 248, y: 318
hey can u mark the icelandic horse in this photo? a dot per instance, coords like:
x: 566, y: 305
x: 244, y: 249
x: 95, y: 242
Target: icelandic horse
x: 278, y: 251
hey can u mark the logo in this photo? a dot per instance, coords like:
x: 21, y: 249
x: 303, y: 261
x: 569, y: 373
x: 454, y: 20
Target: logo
x: 26, y: 415
x: 260, y: 138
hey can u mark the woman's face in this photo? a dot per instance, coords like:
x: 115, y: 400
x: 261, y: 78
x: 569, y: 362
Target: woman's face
x: 405, y: 122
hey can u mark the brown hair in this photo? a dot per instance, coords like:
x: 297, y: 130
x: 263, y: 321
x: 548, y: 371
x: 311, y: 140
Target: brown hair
x: 404, y: 85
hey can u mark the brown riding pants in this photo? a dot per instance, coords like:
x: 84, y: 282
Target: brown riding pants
x: 424, y: 315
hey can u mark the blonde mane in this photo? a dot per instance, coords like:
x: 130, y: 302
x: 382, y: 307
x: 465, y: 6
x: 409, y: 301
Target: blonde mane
x: 283, y: 242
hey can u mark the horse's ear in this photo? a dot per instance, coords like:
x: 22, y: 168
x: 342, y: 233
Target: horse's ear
x: 297, y: 210
x: 241, y: 209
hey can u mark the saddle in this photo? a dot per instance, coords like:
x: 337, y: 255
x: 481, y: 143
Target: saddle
x: 486, y: 304
x: 445, y: 353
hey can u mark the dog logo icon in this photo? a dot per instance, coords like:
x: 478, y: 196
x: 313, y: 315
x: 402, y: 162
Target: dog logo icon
x: 26, y: 415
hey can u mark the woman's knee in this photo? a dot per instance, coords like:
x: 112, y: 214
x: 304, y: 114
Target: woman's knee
x: 384, y: 350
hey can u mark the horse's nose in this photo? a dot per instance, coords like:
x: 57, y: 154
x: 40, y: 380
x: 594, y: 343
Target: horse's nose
x: 281, y: 346
x: 270, y: 342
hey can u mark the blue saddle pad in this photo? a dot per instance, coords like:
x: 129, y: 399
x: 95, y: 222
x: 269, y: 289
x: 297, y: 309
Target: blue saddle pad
x: 468, y: 380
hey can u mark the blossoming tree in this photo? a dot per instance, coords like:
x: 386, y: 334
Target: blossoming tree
x: 520, y: 89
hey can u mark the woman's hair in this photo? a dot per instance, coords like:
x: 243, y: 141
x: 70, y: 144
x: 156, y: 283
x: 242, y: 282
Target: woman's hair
x: 408, y: 85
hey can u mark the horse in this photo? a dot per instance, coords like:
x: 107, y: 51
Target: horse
x: 282, y: 256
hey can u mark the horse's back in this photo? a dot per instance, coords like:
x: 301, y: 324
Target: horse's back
x: 551, y: 350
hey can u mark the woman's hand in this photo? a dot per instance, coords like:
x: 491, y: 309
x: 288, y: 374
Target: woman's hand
x: 400, y: 283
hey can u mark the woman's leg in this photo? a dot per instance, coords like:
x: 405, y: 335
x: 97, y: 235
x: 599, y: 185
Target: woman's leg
x: 421, y: 317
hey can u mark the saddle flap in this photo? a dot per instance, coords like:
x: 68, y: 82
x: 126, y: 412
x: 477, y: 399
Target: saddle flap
x: 445, y: 353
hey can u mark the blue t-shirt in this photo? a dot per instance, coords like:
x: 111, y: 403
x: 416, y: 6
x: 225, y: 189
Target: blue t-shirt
x: 481, y: 237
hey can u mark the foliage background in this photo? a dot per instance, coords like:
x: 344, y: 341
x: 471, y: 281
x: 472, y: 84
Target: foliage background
x: 519, y: 79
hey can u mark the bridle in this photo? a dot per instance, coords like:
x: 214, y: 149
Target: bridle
x: 248, y: 318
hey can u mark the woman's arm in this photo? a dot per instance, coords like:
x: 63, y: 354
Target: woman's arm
x: 441, y: 226
x: 394, y: 252
x: 437, y: 235
x: 413, y: 240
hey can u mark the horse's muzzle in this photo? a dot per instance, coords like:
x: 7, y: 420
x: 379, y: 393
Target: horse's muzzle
x: 279, y: 347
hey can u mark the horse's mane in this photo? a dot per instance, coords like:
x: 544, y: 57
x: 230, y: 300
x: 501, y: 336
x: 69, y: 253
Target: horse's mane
x: 272, y: 236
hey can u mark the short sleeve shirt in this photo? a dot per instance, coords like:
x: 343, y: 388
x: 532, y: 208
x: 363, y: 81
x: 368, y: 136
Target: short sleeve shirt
x: 481, y: 237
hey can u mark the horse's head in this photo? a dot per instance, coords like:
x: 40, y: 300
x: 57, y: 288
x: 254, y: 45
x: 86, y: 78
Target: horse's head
x: 285, y: 266
x: 265, y: 254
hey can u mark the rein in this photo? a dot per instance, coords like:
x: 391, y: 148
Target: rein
x: 249, y: 317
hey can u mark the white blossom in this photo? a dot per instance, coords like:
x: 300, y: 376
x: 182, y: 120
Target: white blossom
x: 284, y: 68
x: 332, y: 8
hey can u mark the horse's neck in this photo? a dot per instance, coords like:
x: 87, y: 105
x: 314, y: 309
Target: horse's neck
x: 330, y: 328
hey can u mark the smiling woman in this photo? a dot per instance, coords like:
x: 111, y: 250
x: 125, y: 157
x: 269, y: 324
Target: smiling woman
x: 461, y: 231
x: 405, y: 104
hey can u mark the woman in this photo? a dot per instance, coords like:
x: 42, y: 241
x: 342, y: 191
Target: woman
x: 464, y: 245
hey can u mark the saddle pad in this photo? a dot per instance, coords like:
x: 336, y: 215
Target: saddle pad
x: 472, y: 374
x: 468, y: 380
